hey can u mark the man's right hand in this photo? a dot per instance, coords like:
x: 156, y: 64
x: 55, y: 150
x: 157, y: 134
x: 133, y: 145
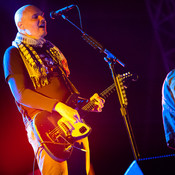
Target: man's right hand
x: 67, y: 112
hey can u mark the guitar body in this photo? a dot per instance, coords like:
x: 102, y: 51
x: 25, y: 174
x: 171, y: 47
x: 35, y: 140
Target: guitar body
x: 58, y: 135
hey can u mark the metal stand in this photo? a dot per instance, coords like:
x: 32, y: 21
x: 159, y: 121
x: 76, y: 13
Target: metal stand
x: 123, y: 102
x: 111, y: 60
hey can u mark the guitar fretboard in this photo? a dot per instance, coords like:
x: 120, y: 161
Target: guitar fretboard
x: 91, y: 104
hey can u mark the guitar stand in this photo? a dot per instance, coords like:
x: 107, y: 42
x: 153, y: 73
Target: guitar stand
x: 111, y: 60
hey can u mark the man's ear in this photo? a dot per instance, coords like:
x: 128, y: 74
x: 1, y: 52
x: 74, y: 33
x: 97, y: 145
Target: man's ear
x: 20, y: 25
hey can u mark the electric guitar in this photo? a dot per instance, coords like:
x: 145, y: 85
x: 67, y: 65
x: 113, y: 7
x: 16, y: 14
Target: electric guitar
x: 58, y: 135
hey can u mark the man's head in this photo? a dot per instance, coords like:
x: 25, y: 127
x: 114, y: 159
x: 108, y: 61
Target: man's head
x: 30, y: 21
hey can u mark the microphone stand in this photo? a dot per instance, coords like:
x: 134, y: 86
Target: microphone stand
x: 111, y: 60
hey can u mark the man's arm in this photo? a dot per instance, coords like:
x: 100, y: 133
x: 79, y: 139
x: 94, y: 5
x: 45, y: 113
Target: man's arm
x: 32, y: 99
x: 28, y: 97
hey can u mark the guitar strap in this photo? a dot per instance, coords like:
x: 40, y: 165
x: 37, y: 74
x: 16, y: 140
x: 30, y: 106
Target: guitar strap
x: 69, y: 84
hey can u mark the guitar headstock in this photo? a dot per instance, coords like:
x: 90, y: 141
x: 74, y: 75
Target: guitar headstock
x: 121, y: 90
x: 122, y: 81
x: 127, y: 78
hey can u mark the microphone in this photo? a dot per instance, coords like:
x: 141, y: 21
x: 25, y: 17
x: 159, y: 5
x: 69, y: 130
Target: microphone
x: 57, y: 13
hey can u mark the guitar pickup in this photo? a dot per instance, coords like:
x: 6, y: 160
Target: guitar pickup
x: 82, y: 129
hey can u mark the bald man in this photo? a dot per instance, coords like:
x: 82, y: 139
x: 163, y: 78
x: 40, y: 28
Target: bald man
x: 37, y: 73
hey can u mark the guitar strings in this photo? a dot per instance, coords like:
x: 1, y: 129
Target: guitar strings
x: 89, y: 106
x: 56, y: 143
x: 56, y: 129
x: 105, y: 93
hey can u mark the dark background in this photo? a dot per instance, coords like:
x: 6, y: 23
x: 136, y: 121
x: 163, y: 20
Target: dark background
x: 123, y: 27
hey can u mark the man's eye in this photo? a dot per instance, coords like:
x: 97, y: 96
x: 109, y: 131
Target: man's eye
x: 35, y: 16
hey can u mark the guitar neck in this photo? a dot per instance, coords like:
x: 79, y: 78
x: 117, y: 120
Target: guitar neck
x: 91, y: 104
x: 108, y: 91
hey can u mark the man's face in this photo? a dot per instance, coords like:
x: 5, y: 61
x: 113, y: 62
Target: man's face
x: 33, y: 22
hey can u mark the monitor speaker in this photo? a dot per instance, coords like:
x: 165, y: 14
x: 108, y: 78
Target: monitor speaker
x: 163, y: 165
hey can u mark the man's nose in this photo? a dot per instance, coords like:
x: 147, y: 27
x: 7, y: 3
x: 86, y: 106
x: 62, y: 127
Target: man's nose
x: 42, y: 18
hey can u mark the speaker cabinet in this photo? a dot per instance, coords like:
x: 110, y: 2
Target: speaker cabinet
x: 163, y: 165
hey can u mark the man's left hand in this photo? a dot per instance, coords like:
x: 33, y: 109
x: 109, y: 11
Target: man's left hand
x: 99, y: 103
